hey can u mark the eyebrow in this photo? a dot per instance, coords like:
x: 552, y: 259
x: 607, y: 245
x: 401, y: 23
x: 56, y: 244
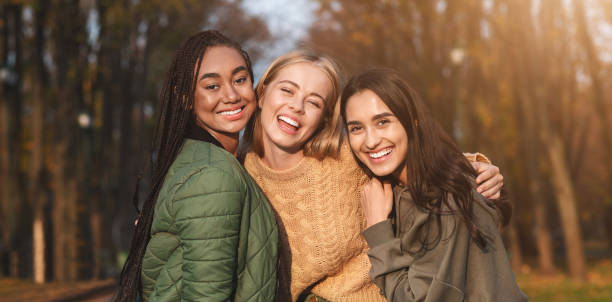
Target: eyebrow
x: 298, y: 86
x: 378, y: 116
x: 216, y: 75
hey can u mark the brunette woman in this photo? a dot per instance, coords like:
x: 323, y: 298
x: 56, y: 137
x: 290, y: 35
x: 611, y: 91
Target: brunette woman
x: 432, y: 237
x: 205, y: 232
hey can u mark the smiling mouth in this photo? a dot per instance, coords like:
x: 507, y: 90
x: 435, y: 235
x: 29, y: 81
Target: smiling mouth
x: 289, y: 121
x: 232, y: 112
x: 380, y: 153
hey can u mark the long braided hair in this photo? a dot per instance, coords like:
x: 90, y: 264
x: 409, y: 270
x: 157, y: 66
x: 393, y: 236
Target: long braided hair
x: 175, y: 116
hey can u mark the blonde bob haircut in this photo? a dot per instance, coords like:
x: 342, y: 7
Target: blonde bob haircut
x: 326, y: 139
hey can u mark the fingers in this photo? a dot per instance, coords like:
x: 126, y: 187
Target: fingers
x: 490, y: 183
x: 490, y: 195
x: 492, y: 192
x: 486, y: 172
x: 373, y: 187
x: 387, y: 187
x: 478, y: 166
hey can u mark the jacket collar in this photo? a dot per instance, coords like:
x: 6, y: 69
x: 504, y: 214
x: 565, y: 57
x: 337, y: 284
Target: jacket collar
x: 198, y: 133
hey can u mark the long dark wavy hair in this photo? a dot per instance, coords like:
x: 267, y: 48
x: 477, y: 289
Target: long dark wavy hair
x: 175, y: 116
x: 436, y: 168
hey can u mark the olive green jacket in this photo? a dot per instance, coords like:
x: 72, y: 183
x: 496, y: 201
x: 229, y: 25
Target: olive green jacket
x: 455, y: 269
x: 214, y: 236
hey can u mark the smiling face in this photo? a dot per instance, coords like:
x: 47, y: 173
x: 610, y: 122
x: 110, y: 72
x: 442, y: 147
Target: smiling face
x: 224, y: 97
x: 292, y: 106
x: 376, y: 136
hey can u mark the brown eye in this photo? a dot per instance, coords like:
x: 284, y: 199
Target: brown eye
x: 382, y: 122
x: 241, y: 80
x: 211, y: 87
x: 354, y: 129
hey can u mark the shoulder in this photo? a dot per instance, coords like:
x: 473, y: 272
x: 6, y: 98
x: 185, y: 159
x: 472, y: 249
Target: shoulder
x: 345, y: 163
x: 485, y: 214
x: 485, y: 211
x: 252, y: 163
x: 202, y: 168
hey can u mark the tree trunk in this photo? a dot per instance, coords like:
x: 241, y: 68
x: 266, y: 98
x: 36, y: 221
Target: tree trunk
x: 599, y: 101
x: 549, y: 92
x: 38, y: 243
x: 96, y: 242
x: 69, y: 35
x: 567, y: 208
x: 6, y: 209
x: 73, y: 230
x: 11, y: 177
x: 35, y: 186
x: 544, y: 243
x: 14, y: 266
x: 552, y: 145
x: 59, y: 218
x: 532, y: 148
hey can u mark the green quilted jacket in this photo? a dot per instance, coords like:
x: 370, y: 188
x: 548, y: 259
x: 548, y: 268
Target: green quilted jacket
x: 214, y: 236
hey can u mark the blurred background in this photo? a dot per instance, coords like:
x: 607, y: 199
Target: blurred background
x: 526, y: 82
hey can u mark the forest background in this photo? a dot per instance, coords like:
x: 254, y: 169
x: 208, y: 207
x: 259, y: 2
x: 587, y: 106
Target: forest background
x: 526, y: 82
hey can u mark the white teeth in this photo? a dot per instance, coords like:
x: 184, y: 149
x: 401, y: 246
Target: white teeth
x: 380, y: 154
x: 231, y: 112
x: 289, y: 121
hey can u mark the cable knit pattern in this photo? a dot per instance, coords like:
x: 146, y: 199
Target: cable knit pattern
x: 318, y: 207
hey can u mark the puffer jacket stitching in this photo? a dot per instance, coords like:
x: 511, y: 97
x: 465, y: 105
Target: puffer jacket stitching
x: 211, y: 216
x: 260, y: 242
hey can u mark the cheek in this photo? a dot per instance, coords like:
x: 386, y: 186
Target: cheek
x: 316, y: 118
x: 268, y: 102
x: 354, y: 143
x: 247, y: 94
x: 266, y: 111
x: 403, y: 139
x: 203, y: 103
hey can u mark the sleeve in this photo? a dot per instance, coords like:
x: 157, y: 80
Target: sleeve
x: 389, y: 264
x: 477, y: 157
x: 207, y: 209
x: 434, y: 276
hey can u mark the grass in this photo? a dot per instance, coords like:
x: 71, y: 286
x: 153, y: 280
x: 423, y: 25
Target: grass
x: 560, y: 288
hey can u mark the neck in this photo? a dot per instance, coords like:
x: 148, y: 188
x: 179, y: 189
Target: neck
x: 402, y: 176
x: 279, y: 159
x: 228, y: 141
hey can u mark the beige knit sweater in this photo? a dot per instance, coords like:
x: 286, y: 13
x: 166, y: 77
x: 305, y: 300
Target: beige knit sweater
x: 320, y: 220
x: 318, y: 207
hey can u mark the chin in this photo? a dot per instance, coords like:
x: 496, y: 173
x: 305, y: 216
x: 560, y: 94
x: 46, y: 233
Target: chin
x: 381, y: 171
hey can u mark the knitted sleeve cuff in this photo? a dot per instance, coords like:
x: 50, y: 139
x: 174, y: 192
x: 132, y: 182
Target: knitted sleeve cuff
x: 477, y: 157
x: 379, y: 233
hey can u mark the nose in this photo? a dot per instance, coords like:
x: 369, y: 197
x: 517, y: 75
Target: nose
x: 230, y: 95
x: 372, y: 139
x: 296, y: 104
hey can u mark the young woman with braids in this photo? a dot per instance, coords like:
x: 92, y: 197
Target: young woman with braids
x: 298, y: 157
x: 432, y: 237
x: 205, y: 231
